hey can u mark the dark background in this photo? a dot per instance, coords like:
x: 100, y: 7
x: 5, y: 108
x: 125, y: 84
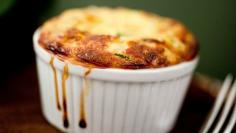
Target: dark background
x: 212, y: 21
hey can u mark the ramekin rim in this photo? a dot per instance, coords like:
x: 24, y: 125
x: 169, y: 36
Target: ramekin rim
x: 80, y: 70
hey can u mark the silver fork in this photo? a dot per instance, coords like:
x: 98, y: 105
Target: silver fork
x: 228, y: 91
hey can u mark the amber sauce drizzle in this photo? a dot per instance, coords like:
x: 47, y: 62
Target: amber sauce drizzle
x: 64, y: 78
x: 83, y: 93
x: 55, y: 82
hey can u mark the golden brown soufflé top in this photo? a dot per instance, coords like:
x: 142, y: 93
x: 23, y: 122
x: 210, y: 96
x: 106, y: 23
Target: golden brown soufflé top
x: 119, y: 37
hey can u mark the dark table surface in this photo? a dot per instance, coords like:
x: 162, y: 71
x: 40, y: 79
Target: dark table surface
x: 20, y: 110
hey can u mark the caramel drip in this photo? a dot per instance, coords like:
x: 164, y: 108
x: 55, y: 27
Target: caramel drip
x: 84, y: 92
x: 82, y: 122
x: 64, y: 78
x: 55, y: 82
x: 87, y: 72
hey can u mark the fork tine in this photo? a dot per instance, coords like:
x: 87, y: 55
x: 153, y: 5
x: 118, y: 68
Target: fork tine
x: 218, y: 103
x: 233, y: 118
x: 226, y: 109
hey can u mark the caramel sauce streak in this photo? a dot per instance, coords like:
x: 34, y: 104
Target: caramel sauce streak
x: 82, y: 122
x: 87, y: 72
x: 84, y: 92
x: 64, y: 78
x: 55, y: 82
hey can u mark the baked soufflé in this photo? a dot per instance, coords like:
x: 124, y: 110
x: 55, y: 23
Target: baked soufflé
x: 104, y: 37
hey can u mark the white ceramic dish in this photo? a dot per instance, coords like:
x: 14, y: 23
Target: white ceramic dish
x: 110, y: 100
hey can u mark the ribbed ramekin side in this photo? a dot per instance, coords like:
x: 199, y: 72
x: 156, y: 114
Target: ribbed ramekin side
x: 48, y: 104
x: 169, y: 97
x: 112, y: 107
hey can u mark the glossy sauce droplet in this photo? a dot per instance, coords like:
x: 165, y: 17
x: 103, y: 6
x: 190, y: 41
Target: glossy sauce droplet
x: 84, y: 92
x: 64, y: 78
x: 55, y: 82
x: 82, y: 123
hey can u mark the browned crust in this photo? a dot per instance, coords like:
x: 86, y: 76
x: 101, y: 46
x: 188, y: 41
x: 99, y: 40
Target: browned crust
x: 88, y: 49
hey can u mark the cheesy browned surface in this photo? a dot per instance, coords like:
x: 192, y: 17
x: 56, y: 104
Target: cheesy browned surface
x: 117, y: 38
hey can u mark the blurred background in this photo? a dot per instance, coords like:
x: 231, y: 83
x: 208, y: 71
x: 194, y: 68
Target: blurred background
x: 213, y: 22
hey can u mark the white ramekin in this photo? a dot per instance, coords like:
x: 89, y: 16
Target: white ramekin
x: 118, y: 100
